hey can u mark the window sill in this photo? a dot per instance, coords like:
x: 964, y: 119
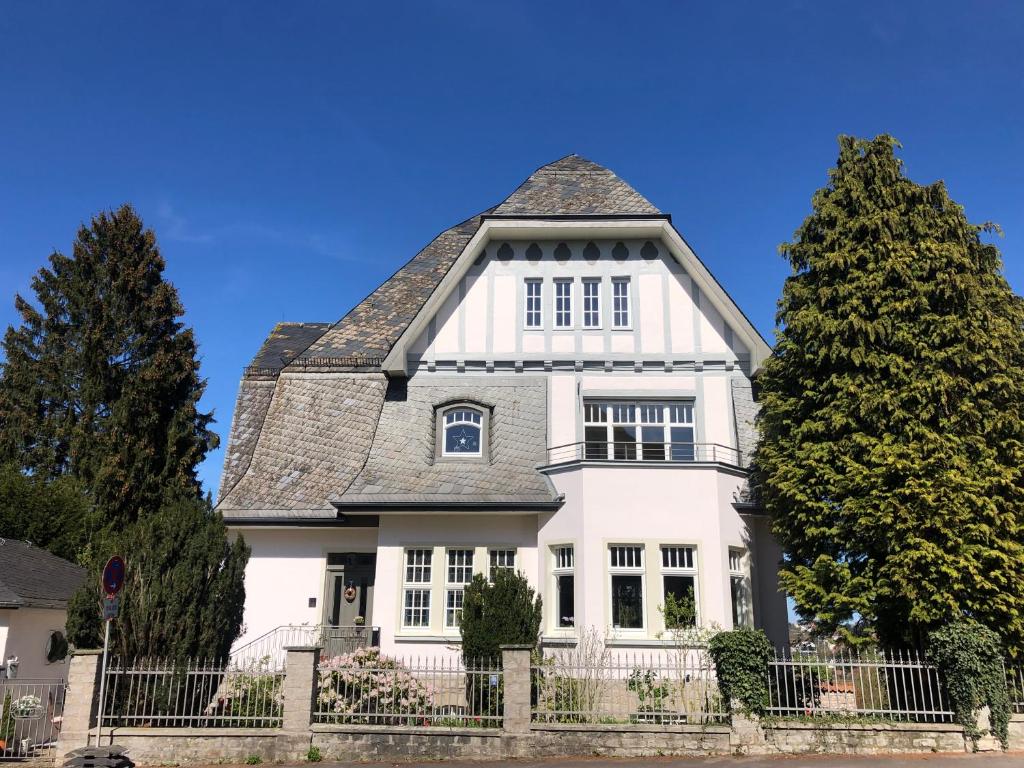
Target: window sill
x: 644, y: 642
x: 428, y: 639
x: 561, y: 640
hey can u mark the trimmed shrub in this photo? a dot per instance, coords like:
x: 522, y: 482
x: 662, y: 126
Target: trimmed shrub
x: 970, y: 659
x: 505, y: 611
x: 741, y: 662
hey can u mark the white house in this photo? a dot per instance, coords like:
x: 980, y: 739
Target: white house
x: 35, y: 587
x: 557, y: 385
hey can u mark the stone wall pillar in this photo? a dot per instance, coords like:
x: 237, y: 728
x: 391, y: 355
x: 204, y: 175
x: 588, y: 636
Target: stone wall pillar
x: 300, y: 688
x: 81, y: 700
x: 515, y: 666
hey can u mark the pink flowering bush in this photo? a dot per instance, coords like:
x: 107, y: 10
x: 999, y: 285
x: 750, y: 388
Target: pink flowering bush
x: 366, y: 687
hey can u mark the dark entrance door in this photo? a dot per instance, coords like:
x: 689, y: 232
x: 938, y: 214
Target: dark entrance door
x: 349, y: 589
x: 348, y: 604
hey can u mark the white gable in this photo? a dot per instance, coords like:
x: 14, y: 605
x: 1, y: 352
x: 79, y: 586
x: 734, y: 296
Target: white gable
x: 484, y: 318
x: 677, y: 312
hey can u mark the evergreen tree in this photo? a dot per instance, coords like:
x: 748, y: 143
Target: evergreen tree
x: 504, y: 611
x: 184, y: 586
x: 101, y: 379
x: 99, y: 393
x: 55, y: 515
x: 892, y: 440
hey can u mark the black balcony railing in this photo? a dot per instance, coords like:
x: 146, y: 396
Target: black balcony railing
x: 645, y: 452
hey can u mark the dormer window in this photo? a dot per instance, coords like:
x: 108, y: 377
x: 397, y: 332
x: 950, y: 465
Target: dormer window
x: 463, y: 432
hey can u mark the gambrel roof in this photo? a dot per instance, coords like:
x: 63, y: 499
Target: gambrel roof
x: 314, y: 398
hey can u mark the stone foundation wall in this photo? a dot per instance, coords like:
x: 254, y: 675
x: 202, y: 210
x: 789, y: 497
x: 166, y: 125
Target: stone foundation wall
x: 625, y: 741
x: 401, y: 743
x: 203, y: 746
x: 866, y: 739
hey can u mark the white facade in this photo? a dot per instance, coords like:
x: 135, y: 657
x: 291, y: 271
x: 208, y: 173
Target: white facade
x: 24, y: 635
x: 608, y: 319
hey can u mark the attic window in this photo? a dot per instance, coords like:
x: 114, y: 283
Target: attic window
x: 463, y: 432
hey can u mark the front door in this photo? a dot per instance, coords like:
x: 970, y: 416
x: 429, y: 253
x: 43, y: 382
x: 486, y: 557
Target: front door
x: 349, y: 598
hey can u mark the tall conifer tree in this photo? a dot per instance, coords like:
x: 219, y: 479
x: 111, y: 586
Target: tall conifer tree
x: 892, y: 422
x: 100, y: 388
x: 101, y: 379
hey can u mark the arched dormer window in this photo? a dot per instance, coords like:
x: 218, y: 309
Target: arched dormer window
x: 463, y: 432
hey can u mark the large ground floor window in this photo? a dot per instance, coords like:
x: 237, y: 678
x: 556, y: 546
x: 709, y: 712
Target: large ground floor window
x: 432, y: 597
x: 565, y: 586
x: 626, y: 571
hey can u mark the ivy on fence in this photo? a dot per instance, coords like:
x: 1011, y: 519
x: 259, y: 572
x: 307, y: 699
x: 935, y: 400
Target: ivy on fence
x: 970, y: 659
x: 741, y: 662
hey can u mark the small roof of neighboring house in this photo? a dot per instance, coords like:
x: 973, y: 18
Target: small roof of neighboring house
x: 31, y: 577
x: 316, y: 422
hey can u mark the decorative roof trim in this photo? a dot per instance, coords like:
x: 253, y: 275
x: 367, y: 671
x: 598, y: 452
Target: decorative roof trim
x: 523, y: 228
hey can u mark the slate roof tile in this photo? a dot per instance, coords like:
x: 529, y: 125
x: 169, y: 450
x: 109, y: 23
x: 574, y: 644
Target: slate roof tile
x: 33, y: 578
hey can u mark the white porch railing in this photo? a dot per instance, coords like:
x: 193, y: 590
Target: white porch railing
x: 268, y: 648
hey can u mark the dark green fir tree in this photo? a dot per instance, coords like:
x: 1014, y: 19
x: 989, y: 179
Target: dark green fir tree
x: 892, y: 422
x: 100, y: 386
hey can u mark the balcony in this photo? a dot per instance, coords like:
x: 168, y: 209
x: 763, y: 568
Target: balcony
x: 635, y: 452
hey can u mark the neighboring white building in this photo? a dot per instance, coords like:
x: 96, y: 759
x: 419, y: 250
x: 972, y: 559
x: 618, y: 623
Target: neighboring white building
x: 35, y: 587
x: 557, y: 385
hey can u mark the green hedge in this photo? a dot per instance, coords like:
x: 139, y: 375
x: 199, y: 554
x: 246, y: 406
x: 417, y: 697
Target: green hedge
x: 741, y: 662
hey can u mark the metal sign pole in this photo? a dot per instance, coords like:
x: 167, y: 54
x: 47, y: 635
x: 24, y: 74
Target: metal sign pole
x: 103, y: 680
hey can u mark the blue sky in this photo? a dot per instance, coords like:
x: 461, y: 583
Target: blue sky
x: 290, y: 156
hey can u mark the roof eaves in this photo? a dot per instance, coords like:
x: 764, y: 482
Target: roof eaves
x: 577, y: 217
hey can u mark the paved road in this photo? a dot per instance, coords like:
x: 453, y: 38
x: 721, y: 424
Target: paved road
x: 990, y: 760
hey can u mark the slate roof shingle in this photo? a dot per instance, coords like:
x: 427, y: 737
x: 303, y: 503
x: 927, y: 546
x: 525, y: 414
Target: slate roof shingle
x: 314, y: 439
x: 575, y: 186
x: 402, y: 467
x: 33, y: 578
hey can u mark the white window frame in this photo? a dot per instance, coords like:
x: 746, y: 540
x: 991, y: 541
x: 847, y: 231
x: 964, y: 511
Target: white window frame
x: 631, y: 563
x: 533, y: 306
x: 681, y: 560
x: 622, y: 309
x: 458, y: 572
x: 562, y: 304
x: 643, y: 418
x: 592, y: 303
x: 462, y: 420
x: 739, y: 572
x: 563, y: 559
x: 417, y: 580
x: 497, y: 553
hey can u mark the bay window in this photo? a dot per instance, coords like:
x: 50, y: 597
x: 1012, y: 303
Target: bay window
x: 565, y: 587
x: 739, y: 589
x: 639, y: 431
x: 679, y: 586
x: 626, y: 572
